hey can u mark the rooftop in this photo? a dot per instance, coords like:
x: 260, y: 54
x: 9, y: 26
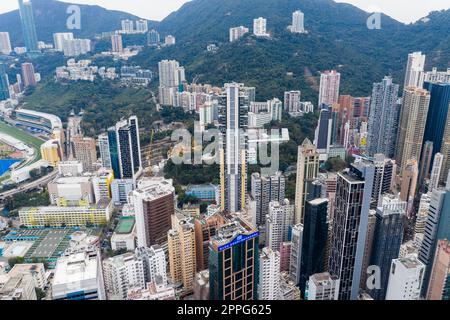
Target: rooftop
x: 125, y: 225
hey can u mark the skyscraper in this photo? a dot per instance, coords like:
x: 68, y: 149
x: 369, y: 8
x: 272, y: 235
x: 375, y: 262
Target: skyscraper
x: 233, y: 107
x: 28, y: 26
x: 298, y: 22
x: 329, y: 87
x: 315, y: 236
x: 425, y: 162
x: 292, y: 101
x: 85, y: 151
x: 352, y: 205
x: 266, y: 189
x: 125, y: 149
x: 437, y: 113
x: 307, y: 171
x: 405, y: 279
x: 116, y: 42
x: 436, y: 171
x: 5, y: 43
x: 412, y: 125
x: 58, y: 39
x: 437, y: 227
x: 414, y: 70
x: 323, y: 286
x: 324, y: 136
x: 171, y: 75
x: 439, y: 287
x: 153, y: 38
x: 237, y: 33
x: 153, y: 203
x: 408, y: 188
x: 383, y: 118
x: 296, y: 253
x: 385, y: 169
x: 105, y: 155
x: 182, y: 253
x: 234, y: 262
x: 29, y: 79
x: 279, y: 219
x: 269, y: 275
x: 388, y: 238
x: 260, y: 27
x: 205, y: 229
x: 4, y: 83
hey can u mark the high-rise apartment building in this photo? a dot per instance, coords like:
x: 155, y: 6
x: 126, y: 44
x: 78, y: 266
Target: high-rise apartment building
x: 28, y: 76
x: 408, y: 188
x: 58, y: 40
x: 76, y: 47
x: 233, y: 108
x: 205, y: 229
x: 122, y: 273
x: 266, y: 189
x: 351, y: 213
x: 5, y: 43
x: 153, y: 202
x: 237, y: 33
x: 260, y: 27
x: 329, y: 87
x: 4, y: 83
x: 153, y: 38
x: 296, y: 253
x: 171, y: 76
x: 234, y: 262
x: 437, y: 227
x: 323, y: 286
x: 436, y: 171
x: 307, y: 171
x: 155, y: 264
x: 298, y: 22
x: 439, y: 286
x: 279, y: 219
x: 405, y: 279
x: 412, y: 125
x: 105, y: 155
x: 85, y: 152
x: 388, y: 237
x: 383, y: 118
x: 28, y: 26
x: 182, y: 253
x: 425, y: 162
x: 116, y: 42
x: 269, y: 275
x: 414, y: 70
x: 292, y: 100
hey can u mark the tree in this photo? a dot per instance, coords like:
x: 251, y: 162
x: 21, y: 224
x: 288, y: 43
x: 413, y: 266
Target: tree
x: 15, y: 260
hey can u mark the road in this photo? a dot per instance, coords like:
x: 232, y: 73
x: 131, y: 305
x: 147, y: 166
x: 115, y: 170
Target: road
x: 29, y: 186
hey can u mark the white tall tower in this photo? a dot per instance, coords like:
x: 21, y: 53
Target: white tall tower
x: 269, y: 275
x: 298, y: 21
x: 414, y: 70
x: 436, y: 171
x: 260, y: 27
x: 329, y: 87
x: 405, y: 281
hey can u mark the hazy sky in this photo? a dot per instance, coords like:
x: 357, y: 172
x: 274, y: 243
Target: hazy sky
x: 402, y: 10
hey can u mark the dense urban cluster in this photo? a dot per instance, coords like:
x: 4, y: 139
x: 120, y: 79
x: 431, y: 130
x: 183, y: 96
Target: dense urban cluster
x: 114, y: 227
